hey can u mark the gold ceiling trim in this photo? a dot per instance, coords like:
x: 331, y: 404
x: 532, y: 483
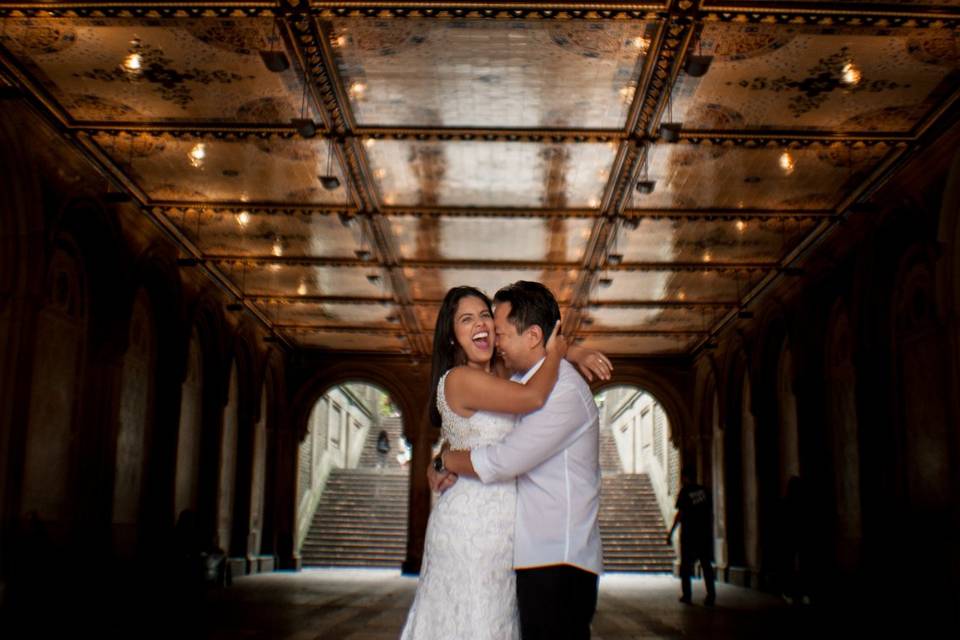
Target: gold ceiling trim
x: 736, y: 138
x: 726, y: 214
x: 151, y: 10
x: 348, y: 213
x: 635, y: 333
x: 656, y: 304
x: 219, y: 131
x: 255, y: 208
x: 489, y: 10
x: 669, y: 58
x: 489, y: 265
x: 793, y: 139
x: 490, y: 134
x: 325, y: 328
x: 796, y: 13
x: 315, y: 299
x: 486, y: 212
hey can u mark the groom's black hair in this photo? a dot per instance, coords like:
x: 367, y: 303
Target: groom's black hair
x: 531, y: 303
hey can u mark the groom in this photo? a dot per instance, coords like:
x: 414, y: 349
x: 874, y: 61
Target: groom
x: 553, y: 454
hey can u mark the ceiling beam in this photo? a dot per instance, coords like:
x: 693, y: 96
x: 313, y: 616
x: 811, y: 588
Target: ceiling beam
x: 339, y: 262
x: 312, y: 46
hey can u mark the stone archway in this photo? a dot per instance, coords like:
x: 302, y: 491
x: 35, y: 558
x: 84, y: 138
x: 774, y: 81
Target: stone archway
x: 410, y: 390
x: 845, y: 438
x: 352, y: 499
x: 135, y: 416
x: 59, y: 354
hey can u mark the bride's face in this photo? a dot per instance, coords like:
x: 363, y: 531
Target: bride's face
x: 473, y: 328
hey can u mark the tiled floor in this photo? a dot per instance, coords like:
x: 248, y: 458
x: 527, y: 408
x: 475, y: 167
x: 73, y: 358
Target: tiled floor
x: 372, y: 605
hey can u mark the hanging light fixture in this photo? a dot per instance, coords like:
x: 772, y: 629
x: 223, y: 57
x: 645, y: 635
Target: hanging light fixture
x: 696, y: 66
x: 645, y: 185
x: 275, y: 61
x: 330, y: 181
x: 304, y: 125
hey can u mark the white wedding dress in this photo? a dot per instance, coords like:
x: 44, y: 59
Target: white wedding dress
x: 467, y: 588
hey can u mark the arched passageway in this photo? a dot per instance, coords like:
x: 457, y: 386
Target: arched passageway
x: 640, y: 466
x: 353, y: 480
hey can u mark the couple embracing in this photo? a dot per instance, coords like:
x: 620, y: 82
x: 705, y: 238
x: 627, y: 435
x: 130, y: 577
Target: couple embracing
x: 513, y: 544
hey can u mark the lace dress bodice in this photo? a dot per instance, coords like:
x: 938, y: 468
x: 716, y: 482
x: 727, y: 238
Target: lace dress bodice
x: 467, y: 587
x: 479, y: 429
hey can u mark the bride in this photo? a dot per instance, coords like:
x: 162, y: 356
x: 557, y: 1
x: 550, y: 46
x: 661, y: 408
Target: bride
x: 467, y: 586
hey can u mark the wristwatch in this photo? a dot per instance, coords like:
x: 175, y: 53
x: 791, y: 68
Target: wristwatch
x: 438, y: 463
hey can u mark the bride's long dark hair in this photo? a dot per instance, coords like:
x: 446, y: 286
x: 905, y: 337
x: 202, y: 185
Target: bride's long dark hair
x: 447, y: 352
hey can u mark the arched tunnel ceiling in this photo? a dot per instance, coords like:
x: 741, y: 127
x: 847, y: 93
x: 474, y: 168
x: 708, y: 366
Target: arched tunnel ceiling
x: 481, y: 143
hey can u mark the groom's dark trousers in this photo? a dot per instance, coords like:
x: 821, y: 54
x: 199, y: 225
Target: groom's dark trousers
x: 556, y: 602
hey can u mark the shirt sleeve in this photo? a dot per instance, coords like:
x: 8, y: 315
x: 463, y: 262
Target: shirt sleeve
x: 537, y: 437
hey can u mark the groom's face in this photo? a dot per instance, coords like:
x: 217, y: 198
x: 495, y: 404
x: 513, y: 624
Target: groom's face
x: 515, y: 348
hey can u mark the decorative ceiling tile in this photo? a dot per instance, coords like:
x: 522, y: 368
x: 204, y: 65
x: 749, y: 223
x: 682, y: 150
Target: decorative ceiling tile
x: 712, y: 241
x: 433, y: 284
x: 331, y: 314
x: 677, y: 286
x: 482, y: 73
x: 250, y: 233
x: 129, y: 70
x: 308, y: 338
x: 295, y: 280
x: 490, y: 174
x: 491, y: 238
x: 817, y: 177
x: 275, y: 170
x: 652, y: 318
x: 641, y: 345
x: 817, y: 78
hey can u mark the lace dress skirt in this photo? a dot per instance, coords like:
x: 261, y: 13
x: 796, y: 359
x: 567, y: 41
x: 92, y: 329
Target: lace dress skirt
x: 467, y: 588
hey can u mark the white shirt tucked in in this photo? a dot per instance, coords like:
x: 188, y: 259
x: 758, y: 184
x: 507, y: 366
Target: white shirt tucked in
x: 554, y: 454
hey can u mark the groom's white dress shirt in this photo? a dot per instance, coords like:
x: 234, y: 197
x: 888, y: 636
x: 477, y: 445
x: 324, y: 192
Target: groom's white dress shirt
x: 554, y: 455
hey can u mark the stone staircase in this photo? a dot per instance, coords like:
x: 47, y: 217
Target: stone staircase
x: 631, y: 527
x: 361, y: 520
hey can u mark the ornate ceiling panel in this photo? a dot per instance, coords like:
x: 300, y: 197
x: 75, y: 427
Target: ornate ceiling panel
x: 817, y: 177
x: 201, y: 169
x: 127, y: 70
x: 483, y: 238
x: 654, y: 318
x: 678, y: 286
x: 291, y: 280
x: 248, y: 233
x: 479, y: 145
x: 712, y: 241
x: 347, y: 341
x: 490, y: 174
x: 646, y: 344
x: 522, y: 74
x: 303, y: 313
x: 817, y: 78
x: 432, y: 284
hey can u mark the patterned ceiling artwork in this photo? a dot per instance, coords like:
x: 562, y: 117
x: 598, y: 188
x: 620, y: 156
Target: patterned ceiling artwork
x: 339, y: 169
x: 817, y: 78
x: 578, y: 75
x: 123, y: 70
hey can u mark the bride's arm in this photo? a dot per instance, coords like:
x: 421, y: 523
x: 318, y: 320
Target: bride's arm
x: 590, y: 362
x: 474, y: 390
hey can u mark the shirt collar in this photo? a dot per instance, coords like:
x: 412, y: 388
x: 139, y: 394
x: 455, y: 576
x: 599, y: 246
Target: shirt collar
x: 524, y: 377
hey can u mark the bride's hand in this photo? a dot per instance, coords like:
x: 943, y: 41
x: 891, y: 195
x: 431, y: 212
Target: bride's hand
x: 557, y: 344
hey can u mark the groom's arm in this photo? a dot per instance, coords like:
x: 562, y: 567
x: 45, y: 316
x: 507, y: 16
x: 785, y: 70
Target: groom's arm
x: 538, y: 437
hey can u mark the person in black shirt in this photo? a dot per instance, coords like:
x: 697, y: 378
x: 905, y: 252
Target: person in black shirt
x: 696, y: 539
x: 383, y: 448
